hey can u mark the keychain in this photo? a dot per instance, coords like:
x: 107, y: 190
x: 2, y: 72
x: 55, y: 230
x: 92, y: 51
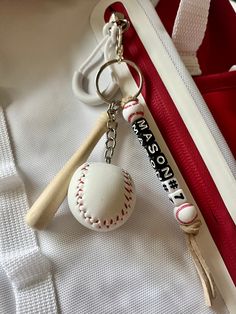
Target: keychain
x: 115, y: 185
x: 101, y: 196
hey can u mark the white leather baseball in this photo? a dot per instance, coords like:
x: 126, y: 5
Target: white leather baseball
x: 101, y: 196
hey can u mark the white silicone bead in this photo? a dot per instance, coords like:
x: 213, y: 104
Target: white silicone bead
x: 170, y: 185
x: 185, y: 214
x: 101, y: 196
x: 178, y: 197
x: 132, y: 111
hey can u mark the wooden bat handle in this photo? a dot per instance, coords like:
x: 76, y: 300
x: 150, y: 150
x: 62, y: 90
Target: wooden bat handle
x: 45, y: 207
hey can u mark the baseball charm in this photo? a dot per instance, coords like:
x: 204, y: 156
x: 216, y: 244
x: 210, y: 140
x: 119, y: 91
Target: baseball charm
x: 132, y: 111
x: 101, y: 196
x: 185, y: 214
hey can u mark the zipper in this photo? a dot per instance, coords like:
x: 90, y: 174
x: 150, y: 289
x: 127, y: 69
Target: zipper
x: 181, y: 145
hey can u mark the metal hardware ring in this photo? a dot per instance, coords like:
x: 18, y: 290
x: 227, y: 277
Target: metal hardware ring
x: 113, y: 61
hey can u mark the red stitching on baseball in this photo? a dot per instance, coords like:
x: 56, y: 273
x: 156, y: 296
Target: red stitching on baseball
x: 107, y: 223
x: 135, y: 114
x: 188, y: 222
x: 129, y: 105
x: 80, y: 198
x: 179, y: 209
x: 184, y: 205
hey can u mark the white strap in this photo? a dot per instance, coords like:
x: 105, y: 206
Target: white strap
x: 26, y: 267
x: 189, y: 30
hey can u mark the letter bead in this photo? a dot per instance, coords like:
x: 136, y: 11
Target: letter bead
x: 177, y: 197
x: 159, y: 160
x: 170, y: 185
x: 185, y: 214
x: 145, y: 135
x: 153, y: 148
x: 142, y: 124
x: 164, y: 173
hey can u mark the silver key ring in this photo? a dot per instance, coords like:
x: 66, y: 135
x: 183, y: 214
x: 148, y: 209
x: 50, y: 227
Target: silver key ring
x: 107, y: 64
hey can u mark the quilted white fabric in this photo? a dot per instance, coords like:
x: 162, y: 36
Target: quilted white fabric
x: 144, y: 266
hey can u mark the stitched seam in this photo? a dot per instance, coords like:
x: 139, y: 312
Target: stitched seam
x: 128, y: 197
x: 128, y: 105
x: 79, y: 195
x: 179, y: 209
x: 135, y: 114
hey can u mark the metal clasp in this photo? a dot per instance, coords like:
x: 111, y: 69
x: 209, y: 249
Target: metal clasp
x: 123, y: 26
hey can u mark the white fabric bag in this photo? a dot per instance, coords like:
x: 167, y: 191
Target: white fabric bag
x: 143, y: 267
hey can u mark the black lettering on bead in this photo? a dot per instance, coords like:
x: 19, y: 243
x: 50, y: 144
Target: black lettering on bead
x: 173, y: 184
x: 140, y: 140
x: 161, y: 160
x: 147, y: 136
x: 153, y: 164
x: 158, y: 175
x: 180, y: 196
x: 142, y: 124
x: 165, y: 187
x: 153, y: 148
x: 171, y: 200
x: 157, y: 159
x: 165, y: 173
x: 135, y: 128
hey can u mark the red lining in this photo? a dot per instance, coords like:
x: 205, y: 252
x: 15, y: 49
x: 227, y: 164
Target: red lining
x: 216, y: 82
x: 219, y: 92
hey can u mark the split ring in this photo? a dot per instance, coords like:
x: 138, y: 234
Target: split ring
x: 107, y: 64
